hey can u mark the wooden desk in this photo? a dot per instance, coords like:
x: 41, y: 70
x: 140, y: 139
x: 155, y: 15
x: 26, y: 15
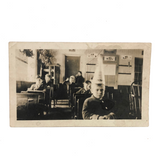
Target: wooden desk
x: 38, y: 92
x: 25, y: 97
x: 29, y: 107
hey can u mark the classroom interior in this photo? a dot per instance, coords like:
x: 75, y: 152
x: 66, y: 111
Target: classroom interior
x: 123, y: 72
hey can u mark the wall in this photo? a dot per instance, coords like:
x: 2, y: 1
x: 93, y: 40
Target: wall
x: 32, y: 67
x: 121, y: 79
x: 60, y: 56
x: 60, y: 59
x: 26, y: 67
x: 21, y: 66
x: 124, y: 79
x: 26, y: 70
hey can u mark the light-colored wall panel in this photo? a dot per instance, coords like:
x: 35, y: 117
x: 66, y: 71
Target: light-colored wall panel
x: 32, y: 67
x: 109, y: 69
x: 21, y: 70
x: 125, y: 69
x: 127, y: 79
x: 124, y: 79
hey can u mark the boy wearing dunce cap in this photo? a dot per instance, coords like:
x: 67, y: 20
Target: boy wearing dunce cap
x: 95, y: 106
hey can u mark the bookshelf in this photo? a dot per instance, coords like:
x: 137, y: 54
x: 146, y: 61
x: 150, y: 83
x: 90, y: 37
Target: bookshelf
x: 54, y: 71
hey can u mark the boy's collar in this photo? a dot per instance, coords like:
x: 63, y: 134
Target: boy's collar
x: 97, y: 98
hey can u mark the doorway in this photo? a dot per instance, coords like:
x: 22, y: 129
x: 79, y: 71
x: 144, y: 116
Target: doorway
x: 72, y: 65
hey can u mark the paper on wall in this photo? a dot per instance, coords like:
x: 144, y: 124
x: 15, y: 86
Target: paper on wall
x: 109, y: 69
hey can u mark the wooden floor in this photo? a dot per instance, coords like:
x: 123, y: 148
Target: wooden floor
x: 63, y: 103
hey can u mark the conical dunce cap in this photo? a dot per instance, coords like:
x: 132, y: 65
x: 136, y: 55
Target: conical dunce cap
x: 99, y: 73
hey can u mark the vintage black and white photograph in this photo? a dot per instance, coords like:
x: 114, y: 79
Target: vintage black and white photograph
x: 78, y: 83
x: 79, y: 80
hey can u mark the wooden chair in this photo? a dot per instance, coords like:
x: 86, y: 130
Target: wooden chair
x: 136, y: 100
x: 60, y: 92
x: 72, y: 90
x: 78, y: 104
x: 109, y: 93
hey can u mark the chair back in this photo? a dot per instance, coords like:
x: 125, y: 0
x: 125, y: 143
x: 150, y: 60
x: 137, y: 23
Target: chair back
x: 136, y: 100
x: 78, y: 104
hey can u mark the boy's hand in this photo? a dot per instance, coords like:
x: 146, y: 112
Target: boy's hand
x: 111, y: 116
x: 103, y: 117
x: 94, y: 117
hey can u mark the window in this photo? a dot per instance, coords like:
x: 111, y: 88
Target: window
x: 138, y: 70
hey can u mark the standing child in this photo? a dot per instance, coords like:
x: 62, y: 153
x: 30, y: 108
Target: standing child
x: 96, y: 107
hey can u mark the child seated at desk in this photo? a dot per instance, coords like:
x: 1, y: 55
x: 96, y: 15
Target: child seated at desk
x: 48, y: 89
x: 86, y: 89
x: 38, y: 85
x: 48, y: 82
x: 69, y: 81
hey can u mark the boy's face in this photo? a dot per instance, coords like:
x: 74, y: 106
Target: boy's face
x: 79, y: 74
x: 72, y: 80
x: 98, y: 90
x: 88, y: 87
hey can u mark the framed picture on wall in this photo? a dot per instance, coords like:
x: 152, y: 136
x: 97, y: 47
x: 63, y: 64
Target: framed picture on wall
x: 109, y: 58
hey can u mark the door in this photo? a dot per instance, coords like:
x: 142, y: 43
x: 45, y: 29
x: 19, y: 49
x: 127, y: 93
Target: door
x: 72, y: 65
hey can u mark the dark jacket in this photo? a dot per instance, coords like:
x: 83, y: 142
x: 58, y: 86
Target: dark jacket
x: 79, y: 81
x: 47, y: 85
x: 95, y: 107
